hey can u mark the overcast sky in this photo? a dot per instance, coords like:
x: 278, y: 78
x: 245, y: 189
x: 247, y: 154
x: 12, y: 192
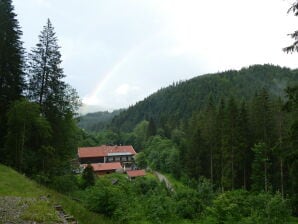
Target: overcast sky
x: 117, y: 52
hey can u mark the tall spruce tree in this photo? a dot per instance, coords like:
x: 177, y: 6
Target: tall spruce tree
x: 262, y: 118
x: 57, y: 100
x: 11, y: 64
x: 231, y: 141
x: 292, y: 155
x: 46, y: 86
x: 260, y: 167
x: 244, y: 144
x: 208, y: 124
x: 220, y: 133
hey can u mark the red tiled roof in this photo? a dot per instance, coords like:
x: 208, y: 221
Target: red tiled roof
x: 104, y: 166
x: 136, y: 173
x: 104, y: 150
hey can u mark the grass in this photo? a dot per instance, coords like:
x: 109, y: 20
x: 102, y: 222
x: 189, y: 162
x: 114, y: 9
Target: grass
x: 175, y: 183
x: 14, y: 184
x: 40, y: 211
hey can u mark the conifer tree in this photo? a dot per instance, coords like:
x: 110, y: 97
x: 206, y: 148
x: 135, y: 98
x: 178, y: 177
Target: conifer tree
x: 195, y: 155
x: 11, y: 63
x: 88, y: 177
x: 231, y: 141
x: 220, y: 133
x: 294, y: 46
x: 58, y: 101
x: 208, y: 124
x: 151, y: 130
x: 292, y: 155
x: 262, y: 118
x: 46, y: 86
x: 260, y: 167
x: 244, y: 144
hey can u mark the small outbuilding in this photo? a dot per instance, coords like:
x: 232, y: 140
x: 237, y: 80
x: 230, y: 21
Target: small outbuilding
x: 105, y: 168
x: 132, y: 174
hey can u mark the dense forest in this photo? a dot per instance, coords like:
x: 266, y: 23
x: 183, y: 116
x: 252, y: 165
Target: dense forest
x: 98, y: 121
x: 178, y: 101
x: 228, y: 142
x: 38, y: 130
x: 236, y: 143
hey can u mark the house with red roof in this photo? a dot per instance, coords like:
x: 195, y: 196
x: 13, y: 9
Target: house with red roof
x: 106, y: 159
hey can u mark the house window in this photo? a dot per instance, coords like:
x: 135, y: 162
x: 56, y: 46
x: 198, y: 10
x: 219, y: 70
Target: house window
x: 117, y: 158
x: 124, y: 158
x: 129, y: 158
x: 110, y: 159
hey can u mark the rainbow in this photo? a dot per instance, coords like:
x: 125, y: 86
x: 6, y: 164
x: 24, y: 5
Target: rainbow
x: 92, y: 98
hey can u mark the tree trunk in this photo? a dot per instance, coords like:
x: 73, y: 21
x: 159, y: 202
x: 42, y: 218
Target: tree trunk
x: 232, y: 168
x: 211, y: 166
x: 265, y: 176
x: 244, y: 178
x: 281, y: 178
x: 22, y: 146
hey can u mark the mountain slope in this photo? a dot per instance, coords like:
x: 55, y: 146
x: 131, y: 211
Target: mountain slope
x: 24, y: 200
x: 178, y: 101
x: 96, y: 121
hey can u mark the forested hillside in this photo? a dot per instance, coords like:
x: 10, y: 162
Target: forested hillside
x: 177, y: 102
x: 238, y: 129
x: 227, y: 142
x: 96, y: 121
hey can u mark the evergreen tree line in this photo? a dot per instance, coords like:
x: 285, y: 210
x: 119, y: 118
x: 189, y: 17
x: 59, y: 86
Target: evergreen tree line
x: 236, y: 144
x: 243, y: 144
x: 175, y: 104
x: 38, y: 132
x: 249, y: 145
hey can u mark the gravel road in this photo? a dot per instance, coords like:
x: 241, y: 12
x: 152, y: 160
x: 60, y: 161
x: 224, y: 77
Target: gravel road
x: 163, y: 178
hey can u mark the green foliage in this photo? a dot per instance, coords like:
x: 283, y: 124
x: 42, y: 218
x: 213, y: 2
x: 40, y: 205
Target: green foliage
x: 88, y: 177
x: 65, y: 184
x: 242, y: 207
x: 21, y: 148
x: 159, y: 209
x: 15, y: 184
x: 145, y: 185
x: 177, y: 102
x: 163, y: 154
x: 12, y: 82
x: 188, y: 203
x: 294, y: 46
x: 96, y: 122
x: 140, y: 131
x: 40, y: 211
x: 260, y: 167
x: 52, y: 141
x: 103, y: 199
x: 141, y: 160
x: 151, y: 130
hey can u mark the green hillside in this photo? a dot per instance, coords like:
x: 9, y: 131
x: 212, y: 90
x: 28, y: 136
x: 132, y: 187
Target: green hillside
x: 22, y: 199
x: 96, y: 121
x: 178, y: 101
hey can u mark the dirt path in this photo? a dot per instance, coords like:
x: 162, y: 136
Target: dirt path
x: 12, y: 208
x: 163, y: 178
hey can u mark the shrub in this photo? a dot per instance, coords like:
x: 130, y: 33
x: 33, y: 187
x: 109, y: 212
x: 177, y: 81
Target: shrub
x: 243, y: 207
x: 88, y: 177
x: 65, y: 183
